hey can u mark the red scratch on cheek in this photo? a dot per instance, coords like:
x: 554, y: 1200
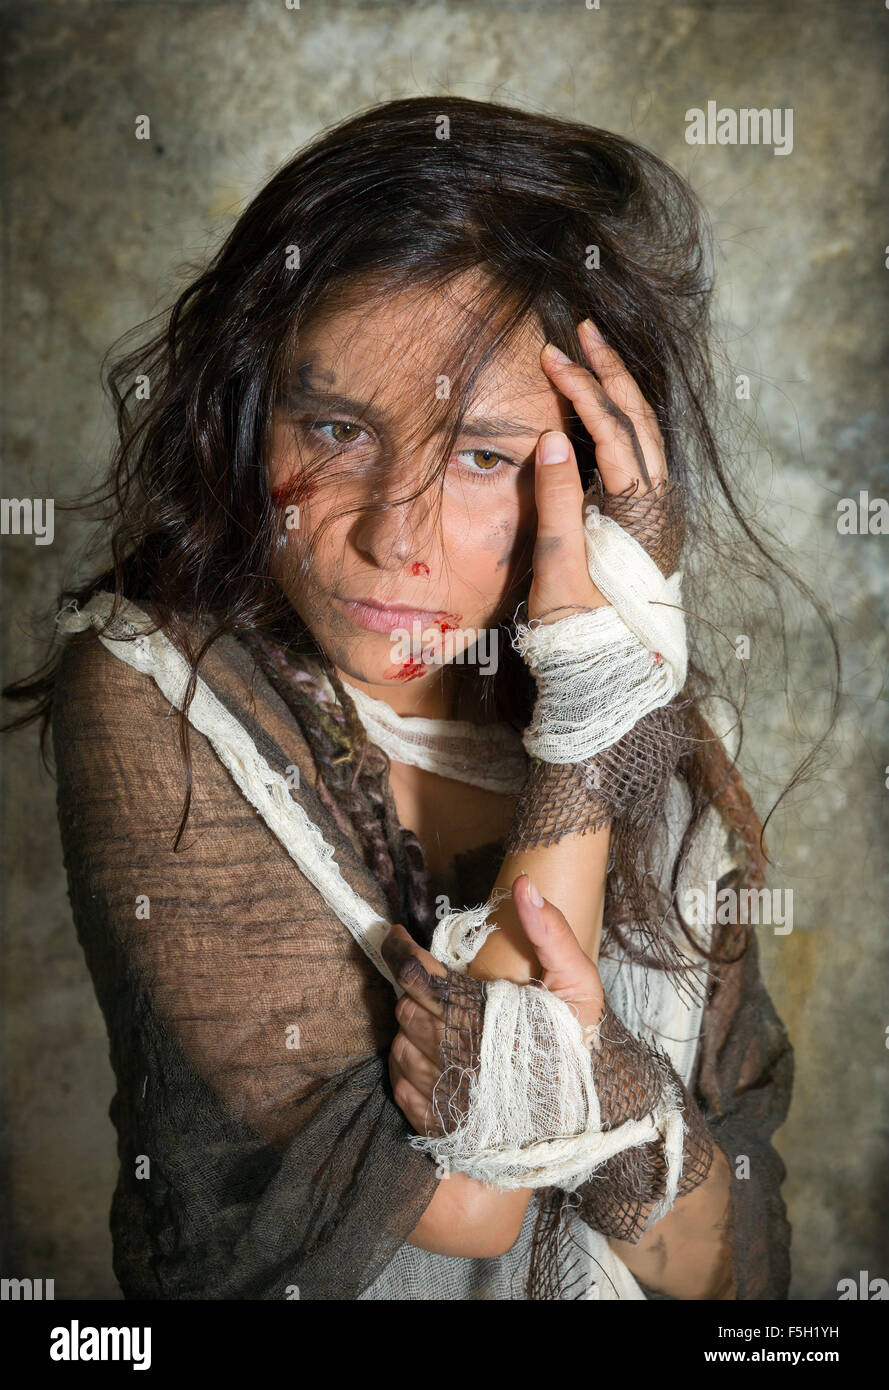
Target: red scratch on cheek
x: 293, y: 491
x: 419, y: 567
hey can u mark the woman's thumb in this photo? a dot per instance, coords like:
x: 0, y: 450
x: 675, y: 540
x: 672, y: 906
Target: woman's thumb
x: 563, y: 961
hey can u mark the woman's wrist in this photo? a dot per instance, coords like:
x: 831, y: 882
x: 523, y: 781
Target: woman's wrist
x: 626, y: 782
x: 557, y: 799
x: 639, y: 1184
x: 601, y: 692
x: 654, y: 1142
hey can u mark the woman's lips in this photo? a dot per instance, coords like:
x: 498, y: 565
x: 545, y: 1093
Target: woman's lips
x: 377, y: 617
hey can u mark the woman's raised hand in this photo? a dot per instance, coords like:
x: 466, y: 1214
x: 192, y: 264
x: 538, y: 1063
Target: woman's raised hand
x: 630, y: 456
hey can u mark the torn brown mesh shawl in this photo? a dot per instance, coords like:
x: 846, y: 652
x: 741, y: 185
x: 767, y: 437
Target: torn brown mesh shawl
x: 272, y: 1167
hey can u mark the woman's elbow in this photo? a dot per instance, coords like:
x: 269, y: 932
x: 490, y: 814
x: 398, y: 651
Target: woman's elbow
x: 469, y: 1220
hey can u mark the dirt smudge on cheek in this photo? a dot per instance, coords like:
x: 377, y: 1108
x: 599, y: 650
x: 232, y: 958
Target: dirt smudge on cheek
x: 505, y: 538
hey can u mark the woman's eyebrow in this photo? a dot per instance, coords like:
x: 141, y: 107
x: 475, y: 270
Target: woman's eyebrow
x: 496, y: 427
x: 295, y: 397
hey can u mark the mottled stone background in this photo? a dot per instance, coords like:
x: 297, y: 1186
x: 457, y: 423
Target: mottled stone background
x: 101, y: 228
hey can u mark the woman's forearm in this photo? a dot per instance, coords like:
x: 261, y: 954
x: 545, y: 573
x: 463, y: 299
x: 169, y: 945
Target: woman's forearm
x: 687, y: 1254
x: 570, y: 874
x: 469, y: 1220
x: 465, y: 1217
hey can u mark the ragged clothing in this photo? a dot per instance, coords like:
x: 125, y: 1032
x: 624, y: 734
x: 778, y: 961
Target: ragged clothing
x: 262, y: 1153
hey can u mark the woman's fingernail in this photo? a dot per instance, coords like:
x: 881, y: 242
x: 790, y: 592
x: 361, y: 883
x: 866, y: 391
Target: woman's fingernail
x: 556, y: 355
x: 591, y: 329
x: 534, y: 893
x: 554, y: 447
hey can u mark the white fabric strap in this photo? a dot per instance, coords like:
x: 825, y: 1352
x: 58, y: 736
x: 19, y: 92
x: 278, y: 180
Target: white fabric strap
x: 595, y: 681
x: 599, y: 672
x: 626, y: 575
x: 459, y: 936
x: 482, y: 755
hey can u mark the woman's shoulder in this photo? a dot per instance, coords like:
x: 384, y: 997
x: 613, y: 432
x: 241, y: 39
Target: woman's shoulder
x: 106, y: 657
x: 92, y: 684
x: 119, y: 678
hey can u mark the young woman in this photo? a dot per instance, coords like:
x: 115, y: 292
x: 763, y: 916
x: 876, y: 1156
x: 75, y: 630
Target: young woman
x: 396, y: 680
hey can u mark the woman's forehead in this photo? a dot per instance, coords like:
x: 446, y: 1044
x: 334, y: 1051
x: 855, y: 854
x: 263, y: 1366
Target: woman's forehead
x: 416, y: 341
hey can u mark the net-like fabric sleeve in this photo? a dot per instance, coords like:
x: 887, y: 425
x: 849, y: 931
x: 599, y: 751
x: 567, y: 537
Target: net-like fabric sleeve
x: 262, y: 1155
x: 627, y: 782
x: 620, y: 1199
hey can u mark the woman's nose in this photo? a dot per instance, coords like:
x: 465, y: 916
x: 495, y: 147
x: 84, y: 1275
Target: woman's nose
x: 401, y: 530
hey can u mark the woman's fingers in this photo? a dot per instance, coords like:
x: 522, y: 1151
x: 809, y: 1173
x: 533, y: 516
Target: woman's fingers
x: 414, y: 1106
x: 561, y: 574
x: 415, y: 970
x: 630, y: 456
x: 422, y: 1028
x: 559, y: 952
x: 621, y: 386
x: 620, y: 422
x: 414, y: 1064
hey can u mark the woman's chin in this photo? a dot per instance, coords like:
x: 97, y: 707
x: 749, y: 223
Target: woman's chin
x: 390, y: 673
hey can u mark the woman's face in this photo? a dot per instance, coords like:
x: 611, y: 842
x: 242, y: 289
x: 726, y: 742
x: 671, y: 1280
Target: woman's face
x: 393, y: 596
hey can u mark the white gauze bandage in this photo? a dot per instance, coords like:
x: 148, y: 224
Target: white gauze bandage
x: 532, y: 1116
x: 598, y: 673
x: 459, y: 936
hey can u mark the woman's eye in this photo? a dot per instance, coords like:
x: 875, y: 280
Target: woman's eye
x: 344, y: 431
x: 484, y: 462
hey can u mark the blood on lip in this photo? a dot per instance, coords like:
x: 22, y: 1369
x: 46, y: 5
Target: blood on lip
x: 419, y: 567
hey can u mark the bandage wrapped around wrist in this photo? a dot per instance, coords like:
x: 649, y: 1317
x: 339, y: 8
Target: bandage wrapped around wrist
x: 604, y: 738
x: 525, y: 1100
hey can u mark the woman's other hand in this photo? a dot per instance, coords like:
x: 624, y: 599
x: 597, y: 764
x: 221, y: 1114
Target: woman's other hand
x: 630, y: 457
x: 415, y: 1056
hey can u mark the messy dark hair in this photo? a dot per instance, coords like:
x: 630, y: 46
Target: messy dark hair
x: 554, y: 221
